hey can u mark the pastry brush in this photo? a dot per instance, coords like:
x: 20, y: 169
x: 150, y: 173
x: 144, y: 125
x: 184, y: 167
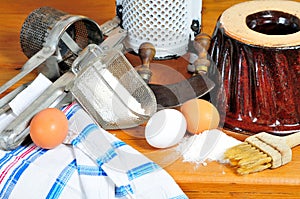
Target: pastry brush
x: 262, y: 151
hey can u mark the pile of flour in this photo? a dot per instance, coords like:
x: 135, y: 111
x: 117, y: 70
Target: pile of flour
x: 209, y: 145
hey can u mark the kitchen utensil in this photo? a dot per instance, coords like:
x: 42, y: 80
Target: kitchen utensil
x: 146, y: 53
x: 4, y: 101
x: 112, y: 92
x: 169, y: 25
x: 47, y: 36
x: 15, y: 133
x: 202, y: 63
x: 262, y: 151
x: 172, y: 95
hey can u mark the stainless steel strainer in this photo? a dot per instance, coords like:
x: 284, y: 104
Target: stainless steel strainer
x: 111, y: 90
x: 54, y: 38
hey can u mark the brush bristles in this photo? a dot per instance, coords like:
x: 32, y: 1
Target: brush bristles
x: 247, y: 159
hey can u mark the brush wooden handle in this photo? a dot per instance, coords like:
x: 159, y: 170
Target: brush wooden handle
x: 293, y: 139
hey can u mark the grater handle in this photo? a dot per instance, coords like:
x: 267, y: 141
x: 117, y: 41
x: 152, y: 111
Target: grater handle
x: 29, y: 66
x: 14, y: 134
x: 146, y: 52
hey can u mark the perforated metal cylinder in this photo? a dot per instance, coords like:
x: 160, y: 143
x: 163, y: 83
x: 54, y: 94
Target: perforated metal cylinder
x: 164, y: 23
x: 35, y: 29
x: 38, y: 25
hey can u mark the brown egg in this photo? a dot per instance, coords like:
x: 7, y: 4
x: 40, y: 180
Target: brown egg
x: 49, y: 128
x: 200, y: 115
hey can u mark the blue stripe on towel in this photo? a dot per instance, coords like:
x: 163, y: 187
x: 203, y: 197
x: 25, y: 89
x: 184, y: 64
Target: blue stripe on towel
x: 110, y: 153
x: 62, y: 181
x: 74, y: 108
x: 7, y: 157
x: 118, y: 144
x: 142, y: 170
x: 123, y: 191
x: 17, y: 172
x: 138, y: 172
x: 84, y: 133
x: 90, y: 170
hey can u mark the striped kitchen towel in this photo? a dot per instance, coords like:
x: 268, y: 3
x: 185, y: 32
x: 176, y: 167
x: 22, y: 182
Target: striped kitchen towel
x: 91, y: 164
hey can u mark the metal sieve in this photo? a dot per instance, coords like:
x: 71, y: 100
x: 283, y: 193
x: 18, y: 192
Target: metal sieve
x: 113, y: 93
x: 169, y: 25
x: 53, y: 38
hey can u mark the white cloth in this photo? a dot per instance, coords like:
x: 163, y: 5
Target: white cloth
x: 29, y: 94
x: 95, y: 165
x: 24, y: 99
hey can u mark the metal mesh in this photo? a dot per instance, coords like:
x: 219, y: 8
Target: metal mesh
x: 79, y: 32
x: 35, y: 29
x: 113, y: 93
x: 40, y: 22
x: 127, y: 76
x: 166, y: 24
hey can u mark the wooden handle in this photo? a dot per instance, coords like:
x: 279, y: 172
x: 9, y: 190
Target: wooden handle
x: 293, y: 139
x: 202, y: 42
x: 201, y: 45
x: 146, y: 52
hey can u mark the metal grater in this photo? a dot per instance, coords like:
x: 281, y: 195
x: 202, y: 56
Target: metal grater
x: 168, y: 25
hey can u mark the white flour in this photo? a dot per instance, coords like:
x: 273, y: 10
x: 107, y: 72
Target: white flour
x: 122, y: 92
x: 104, y: 100
x: 209, y: 145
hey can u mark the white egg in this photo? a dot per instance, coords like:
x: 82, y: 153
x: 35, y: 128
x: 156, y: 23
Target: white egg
x: 165, y: 128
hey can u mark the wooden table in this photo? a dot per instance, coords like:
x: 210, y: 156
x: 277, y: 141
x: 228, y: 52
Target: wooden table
x: 212, y: 181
